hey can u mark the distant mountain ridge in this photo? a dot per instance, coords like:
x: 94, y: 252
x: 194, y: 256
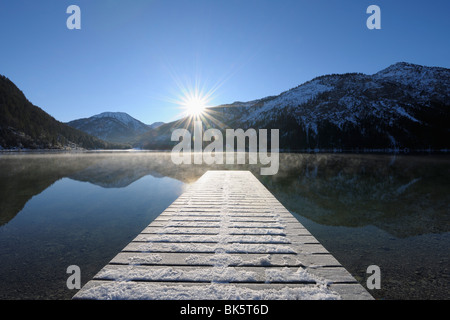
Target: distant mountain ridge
x: 122, y: 117
x: 404, y: 106
x: 118, y: 127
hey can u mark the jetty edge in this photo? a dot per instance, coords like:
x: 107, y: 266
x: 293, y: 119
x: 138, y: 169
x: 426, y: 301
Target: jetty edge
x: 225, y: 238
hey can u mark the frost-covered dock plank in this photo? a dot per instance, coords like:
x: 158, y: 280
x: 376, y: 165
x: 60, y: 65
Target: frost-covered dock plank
x: 226, y: 237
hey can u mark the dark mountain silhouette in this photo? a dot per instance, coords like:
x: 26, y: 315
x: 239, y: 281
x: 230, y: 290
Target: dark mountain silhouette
x: 24, y: 125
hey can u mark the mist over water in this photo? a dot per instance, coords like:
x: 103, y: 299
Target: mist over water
x: 58, y: 210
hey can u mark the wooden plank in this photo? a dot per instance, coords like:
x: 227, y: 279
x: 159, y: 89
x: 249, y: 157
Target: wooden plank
x: 130, y: 290
x: 204, y: 259
x: 211, y: 248
x: 250, y: 274
x: 225, y: 237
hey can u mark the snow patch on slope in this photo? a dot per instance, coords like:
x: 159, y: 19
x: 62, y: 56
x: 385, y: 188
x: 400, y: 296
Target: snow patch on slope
x: 291, y: 98
x: 122, y: 117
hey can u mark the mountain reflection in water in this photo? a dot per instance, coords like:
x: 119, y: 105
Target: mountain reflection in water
x: 402, y: 196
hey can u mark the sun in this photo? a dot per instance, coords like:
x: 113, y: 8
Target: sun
x: 194, y: 103
x: 194, y: 106
x: 194, y: 100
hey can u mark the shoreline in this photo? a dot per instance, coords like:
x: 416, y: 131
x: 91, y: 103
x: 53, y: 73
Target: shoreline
x: 405, y: 151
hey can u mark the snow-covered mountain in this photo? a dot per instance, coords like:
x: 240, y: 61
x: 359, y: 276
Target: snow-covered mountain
x: 402, y: 106
x: 113, y: 126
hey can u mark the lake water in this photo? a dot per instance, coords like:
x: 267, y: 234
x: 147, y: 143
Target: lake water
x: 58, y: 210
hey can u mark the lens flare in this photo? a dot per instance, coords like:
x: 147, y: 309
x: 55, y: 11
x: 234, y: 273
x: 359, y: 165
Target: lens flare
x: 194, y: 105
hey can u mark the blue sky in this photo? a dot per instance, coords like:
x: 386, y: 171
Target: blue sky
x: 136, y: 56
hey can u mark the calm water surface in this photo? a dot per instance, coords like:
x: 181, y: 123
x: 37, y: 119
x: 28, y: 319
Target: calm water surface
x: 81, y: 209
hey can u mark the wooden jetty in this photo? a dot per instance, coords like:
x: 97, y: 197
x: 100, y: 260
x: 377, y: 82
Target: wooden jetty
x: 225, y: 238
